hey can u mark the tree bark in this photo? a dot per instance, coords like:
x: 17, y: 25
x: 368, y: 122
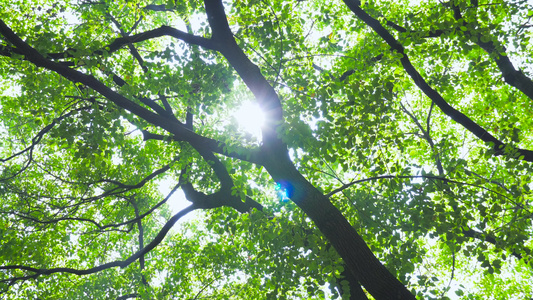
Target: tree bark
x: 359, y: 259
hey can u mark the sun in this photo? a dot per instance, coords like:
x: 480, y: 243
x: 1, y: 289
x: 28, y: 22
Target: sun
x: 250, y: 118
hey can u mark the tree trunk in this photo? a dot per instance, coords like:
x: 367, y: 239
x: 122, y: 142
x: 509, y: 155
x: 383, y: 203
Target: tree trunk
x: 359, y: 259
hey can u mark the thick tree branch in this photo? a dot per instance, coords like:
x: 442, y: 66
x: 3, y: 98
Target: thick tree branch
x: 218, y: 199
x: 351, y: 247
x: 252, y: 155
x: 401, y: 29
x: 120, y: 42
x: 128, y: 296
x: 225, y: 196
x: 456, y: 115
x: 172, y: 126
x: 513, y: 77
x: 264, y: 93
x: 157, y: 7
x: 146, y: 101
x: 163, y: 31
x: 167, y: 111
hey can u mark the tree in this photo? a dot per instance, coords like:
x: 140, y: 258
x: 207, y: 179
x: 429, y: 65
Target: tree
x: 399, y: 131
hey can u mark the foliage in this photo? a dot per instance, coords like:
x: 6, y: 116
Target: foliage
x: 398, y: 130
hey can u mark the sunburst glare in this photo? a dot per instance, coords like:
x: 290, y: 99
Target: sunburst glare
x: 250, y: 118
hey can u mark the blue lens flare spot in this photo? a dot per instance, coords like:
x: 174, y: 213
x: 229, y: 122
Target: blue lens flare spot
x: 284, y: 189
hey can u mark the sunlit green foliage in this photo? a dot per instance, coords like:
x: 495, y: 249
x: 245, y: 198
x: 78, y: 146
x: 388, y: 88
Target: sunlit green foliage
x: 446, y: 210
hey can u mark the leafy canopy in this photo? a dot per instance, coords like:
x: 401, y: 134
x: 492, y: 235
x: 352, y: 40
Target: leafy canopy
x: 394, y: 162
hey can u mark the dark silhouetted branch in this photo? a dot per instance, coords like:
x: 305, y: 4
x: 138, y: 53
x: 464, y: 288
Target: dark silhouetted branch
x: 446, y: 108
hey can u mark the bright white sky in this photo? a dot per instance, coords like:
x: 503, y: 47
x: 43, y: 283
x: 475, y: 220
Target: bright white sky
x: 250, y: 118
